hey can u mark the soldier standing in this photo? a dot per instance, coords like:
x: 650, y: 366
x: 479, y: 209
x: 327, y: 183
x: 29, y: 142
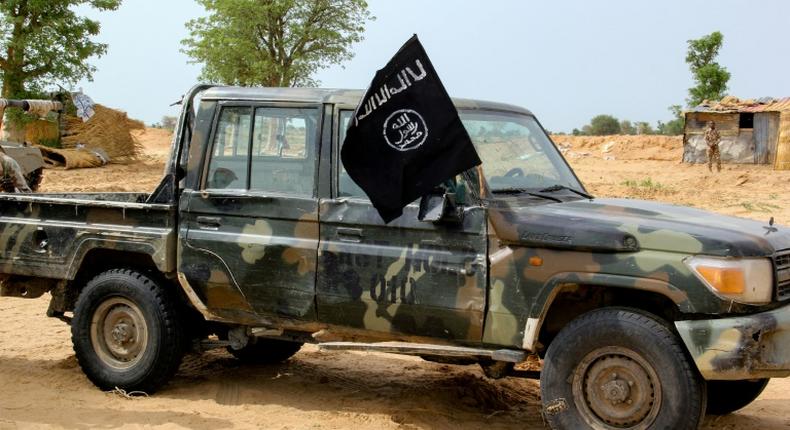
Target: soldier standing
x: 12, y: 180
x: 712, y: 138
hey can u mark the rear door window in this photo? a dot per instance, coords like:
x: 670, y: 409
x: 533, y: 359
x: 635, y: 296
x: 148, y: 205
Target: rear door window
x: 230, y: 156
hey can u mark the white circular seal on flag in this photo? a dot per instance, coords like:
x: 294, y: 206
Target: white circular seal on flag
x: 405, y: 129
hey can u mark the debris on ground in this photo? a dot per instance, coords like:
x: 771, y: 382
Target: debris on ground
x: 74, y: 158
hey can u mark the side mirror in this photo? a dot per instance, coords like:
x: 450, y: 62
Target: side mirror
x: 440, y: 208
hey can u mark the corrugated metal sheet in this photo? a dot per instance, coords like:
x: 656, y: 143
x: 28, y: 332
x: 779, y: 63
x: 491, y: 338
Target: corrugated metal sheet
x: 780, y: 105
x: 765, y: 104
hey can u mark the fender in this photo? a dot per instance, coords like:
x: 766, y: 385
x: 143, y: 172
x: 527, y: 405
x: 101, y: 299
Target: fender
x: 163, y: 263
x: 555, y: 285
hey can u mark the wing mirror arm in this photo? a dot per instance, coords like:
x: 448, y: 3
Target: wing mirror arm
x: 440, y: 208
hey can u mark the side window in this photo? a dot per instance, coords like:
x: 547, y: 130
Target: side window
x: 229, y: 158
x: 284, y: 150
x: 346, y: 186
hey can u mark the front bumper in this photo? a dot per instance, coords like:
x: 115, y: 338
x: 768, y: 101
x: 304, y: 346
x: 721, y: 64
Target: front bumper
x: 744, y: 347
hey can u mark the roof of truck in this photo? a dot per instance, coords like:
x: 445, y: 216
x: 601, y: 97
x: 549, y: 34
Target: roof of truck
x: 328, y: 95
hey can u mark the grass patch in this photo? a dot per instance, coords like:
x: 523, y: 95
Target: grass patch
x: 758, y: 206
x: 647, y: 188
x: 647, y: 184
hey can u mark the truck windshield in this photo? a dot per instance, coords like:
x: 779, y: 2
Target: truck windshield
x: 516, y: 152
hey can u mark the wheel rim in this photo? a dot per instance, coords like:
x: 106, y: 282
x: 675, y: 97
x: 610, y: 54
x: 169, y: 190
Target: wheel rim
x: 616, y: 388
x: 119, y: 333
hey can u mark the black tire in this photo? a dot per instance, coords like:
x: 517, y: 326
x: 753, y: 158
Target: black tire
x: 266, y: 351
x: 620, y: 368
x: 34, y: 179
x: 725, y: 397
x: 137, y: 342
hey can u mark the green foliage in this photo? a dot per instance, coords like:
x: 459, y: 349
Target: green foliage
x: 277, y: 43
x: 758, y: 207
x: 676, y: 126
x: 52, y: 143
x: 671, y: 128
x: 644, y: 183
x: 604, y: 125
x: 43, y: 42
x: 648, y: 188
x: 627, y: 128
x: 709, y: 76
x: 644, y: 127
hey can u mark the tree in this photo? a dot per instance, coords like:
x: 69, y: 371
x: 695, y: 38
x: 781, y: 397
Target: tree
x: 626, y: 127
x: 676, y: 126
x: 604, y: 125
x: 710, y: 77
x: 44, y: 42
x: 277, y: 43
x: 169, y: 122
x: 644, y: 127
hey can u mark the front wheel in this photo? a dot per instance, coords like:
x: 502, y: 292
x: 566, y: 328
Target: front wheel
x: 725, y: 397
x: 620, y: 368
x: 126, y: 332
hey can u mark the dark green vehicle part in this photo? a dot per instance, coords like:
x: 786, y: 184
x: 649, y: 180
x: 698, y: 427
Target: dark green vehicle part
x: 274, y: 237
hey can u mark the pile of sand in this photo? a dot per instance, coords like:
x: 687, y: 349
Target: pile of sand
x: 660, y: 148
x: 108, y: 129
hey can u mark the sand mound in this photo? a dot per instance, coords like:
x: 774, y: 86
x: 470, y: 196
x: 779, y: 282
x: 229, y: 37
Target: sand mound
x: 660, y: 148
x: 109, y: 130
x: 154, y: 141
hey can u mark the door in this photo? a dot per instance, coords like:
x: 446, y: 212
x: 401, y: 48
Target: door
x: 766, y: 136
x: 409, y: 277
x: 252, y: 228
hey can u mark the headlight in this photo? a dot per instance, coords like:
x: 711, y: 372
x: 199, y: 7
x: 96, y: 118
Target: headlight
x: 743, y: 280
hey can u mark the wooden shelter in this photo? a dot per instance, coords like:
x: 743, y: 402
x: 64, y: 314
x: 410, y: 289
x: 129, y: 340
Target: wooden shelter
x: 752, y: 131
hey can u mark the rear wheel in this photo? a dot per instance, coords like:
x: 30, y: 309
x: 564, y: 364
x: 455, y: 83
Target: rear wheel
x: 616, y: 369
x: 725, y: 397
x: 126, y: 332
x: 266, y: 351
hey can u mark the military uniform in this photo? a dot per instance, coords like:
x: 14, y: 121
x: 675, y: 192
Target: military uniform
x: 712, y: 138
x: 12, y: 178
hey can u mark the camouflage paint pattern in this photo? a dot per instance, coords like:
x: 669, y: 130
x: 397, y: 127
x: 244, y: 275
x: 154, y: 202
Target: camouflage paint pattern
x: 48, y: 235
x: 745, y: 347
x: 320, y: 262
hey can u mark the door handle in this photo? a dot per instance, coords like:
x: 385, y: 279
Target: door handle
x: 349, y: 234
x: 209, y: 221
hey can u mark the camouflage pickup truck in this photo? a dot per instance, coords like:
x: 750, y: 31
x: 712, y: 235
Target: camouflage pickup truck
x: 644, y: 315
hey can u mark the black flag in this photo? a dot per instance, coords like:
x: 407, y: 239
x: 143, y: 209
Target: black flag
x: 406, y: 137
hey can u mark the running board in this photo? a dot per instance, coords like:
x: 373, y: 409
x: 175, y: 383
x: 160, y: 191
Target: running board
x: 506, y: 355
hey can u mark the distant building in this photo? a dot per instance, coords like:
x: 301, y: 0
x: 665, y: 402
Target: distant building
x: 752, y: 131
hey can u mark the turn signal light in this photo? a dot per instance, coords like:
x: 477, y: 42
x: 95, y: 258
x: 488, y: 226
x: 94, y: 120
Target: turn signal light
x: 724, y: 280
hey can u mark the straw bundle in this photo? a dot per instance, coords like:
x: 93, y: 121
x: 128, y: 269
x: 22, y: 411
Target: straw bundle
x: 108, y: 130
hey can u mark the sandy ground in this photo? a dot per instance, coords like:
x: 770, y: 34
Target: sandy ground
x: 42, y: 386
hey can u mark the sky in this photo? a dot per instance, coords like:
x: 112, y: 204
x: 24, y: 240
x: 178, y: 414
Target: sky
x: 566, y: 60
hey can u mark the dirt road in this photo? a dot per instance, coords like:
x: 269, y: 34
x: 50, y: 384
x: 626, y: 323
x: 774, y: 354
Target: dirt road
x: 42, y: 386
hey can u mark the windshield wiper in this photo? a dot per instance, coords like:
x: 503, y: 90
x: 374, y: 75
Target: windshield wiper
x: 524, y: 191
x: 558, y: 187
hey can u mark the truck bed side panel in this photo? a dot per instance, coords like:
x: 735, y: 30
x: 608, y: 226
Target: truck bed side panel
x: 48, y: 236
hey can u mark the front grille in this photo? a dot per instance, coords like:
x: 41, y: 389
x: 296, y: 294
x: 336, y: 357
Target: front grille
x: 782, y: 263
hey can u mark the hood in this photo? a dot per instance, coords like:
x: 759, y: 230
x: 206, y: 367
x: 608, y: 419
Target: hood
x: 624, y: 225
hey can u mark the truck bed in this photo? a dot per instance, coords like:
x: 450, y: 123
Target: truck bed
x: 49, y: 235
